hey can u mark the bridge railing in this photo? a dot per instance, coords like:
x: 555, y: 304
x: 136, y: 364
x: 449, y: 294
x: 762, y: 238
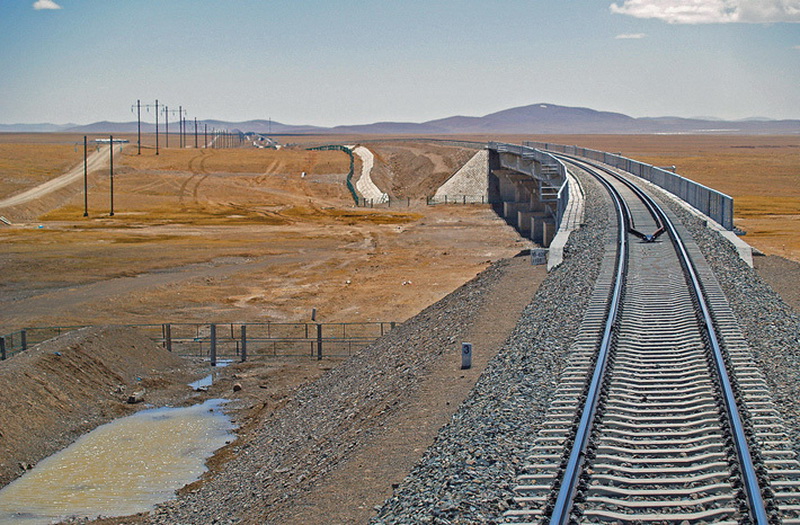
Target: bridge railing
x: 713, y: 203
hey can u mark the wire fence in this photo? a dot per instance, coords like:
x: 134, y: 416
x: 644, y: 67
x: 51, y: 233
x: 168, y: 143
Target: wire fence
x: 241, y: 341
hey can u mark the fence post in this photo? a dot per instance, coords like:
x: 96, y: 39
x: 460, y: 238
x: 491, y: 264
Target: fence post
x: 168, y: 337
x: 24, y: 339
x: 2, y: 348
x: 213, y: 345
x: 319, y: 341
x: 244, y: 343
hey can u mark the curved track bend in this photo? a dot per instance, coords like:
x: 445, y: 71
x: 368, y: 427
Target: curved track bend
x: 660, y: 416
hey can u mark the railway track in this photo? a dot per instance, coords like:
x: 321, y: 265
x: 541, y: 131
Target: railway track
x: 661, y: 416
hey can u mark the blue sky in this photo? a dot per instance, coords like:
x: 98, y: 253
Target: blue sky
x: 351, y: 62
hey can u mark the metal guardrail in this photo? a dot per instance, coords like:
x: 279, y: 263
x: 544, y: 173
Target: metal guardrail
x: 713, y: 203
x: 231, y: 340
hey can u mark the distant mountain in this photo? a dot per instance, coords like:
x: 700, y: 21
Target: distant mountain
x: 539, y: 118
x: 33, y: 128
x: 257, y: 126
x: 534, y: 119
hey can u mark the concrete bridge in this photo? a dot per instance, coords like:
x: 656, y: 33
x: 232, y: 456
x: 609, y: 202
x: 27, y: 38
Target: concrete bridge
x: 529, y: 189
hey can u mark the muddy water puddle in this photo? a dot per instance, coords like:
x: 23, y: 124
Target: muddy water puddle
x: 120, y: 468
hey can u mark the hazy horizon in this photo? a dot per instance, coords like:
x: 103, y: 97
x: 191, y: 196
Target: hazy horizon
x: 325, y: 64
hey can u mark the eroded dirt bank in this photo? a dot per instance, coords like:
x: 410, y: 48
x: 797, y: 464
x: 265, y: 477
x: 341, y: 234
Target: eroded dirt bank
x: 63, y: 388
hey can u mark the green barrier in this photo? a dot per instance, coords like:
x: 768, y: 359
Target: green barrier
x: 337, y: 147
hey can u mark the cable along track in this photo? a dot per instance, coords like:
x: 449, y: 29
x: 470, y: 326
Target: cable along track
x: 647, y: 424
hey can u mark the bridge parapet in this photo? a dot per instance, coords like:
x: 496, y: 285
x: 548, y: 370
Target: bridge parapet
x: 709, y: 201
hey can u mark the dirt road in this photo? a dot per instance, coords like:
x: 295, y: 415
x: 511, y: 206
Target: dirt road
x: 95, y: 161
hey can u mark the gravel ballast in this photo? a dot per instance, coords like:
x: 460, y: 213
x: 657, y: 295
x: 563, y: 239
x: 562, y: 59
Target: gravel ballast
x: 467, y: 476
x: 770, y: 326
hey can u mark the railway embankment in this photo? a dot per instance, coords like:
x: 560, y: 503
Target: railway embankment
x: 467, y: 476
x: 343, y: 424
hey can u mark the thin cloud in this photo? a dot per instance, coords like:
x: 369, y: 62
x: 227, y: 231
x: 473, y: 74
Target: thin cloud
x: 630, y: 36
x: 796, y: 47
x: 712, y: 11
x: 45, y: 4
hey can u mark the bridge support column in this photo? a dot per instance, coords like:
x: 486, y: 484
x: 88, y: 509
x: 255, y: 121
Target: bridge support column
x: 543, y: 229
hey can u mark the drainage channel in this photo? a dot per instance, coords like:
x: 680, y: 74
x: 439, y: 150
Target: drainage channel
x: 123, y: 467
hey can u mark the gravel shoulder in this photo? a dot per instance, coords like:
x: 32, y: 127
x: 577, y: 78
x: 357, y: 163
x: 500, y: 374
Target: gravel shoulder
x: 334, y: 425
x: 467, y: 476
x: 387, y: 458
x: 782, y: 275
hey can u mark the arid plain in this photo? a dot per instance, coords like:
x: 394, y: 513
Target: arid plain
x: 239, y: 235
x: 230, y: 235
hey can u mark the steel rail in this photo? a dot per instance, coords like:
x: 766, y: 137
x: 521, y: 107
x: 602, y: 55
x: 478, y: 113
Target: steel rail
x: 569, y: 483
x: 749, y: 476
x: 750, y: 480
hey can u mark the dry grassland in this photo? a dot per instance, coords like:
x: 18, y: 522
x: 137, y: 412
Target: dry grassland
x: 237, y: 235
x: 25, y: 165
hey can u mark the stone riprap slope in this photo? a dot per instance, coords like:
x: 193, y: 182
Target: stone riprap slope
x: 470, y: 183
x: 368, y: 190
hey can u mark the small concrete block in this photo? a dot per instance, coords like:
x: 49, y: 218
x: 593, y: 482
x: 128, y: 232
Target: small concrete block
x: 538, y: 256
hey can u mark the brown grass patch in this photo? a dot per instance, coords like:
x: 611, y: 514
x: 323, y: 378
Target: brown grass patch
x: 240, y: 160
x: 23, y: 166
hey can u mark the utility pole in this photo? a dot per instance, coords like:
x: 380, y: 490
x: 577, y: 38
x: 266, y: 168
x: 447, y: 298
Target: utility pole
x: 195, y: 133
x: 179, y: 112
x: 86, y: 179
x: 138, y: 126
x: 147, y: 107
x: 111, y: 170
x: 180, y: 126
x: 166, y: 126
x: 156, y: 126
x: 205, y: 136
x: 181, y: 116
